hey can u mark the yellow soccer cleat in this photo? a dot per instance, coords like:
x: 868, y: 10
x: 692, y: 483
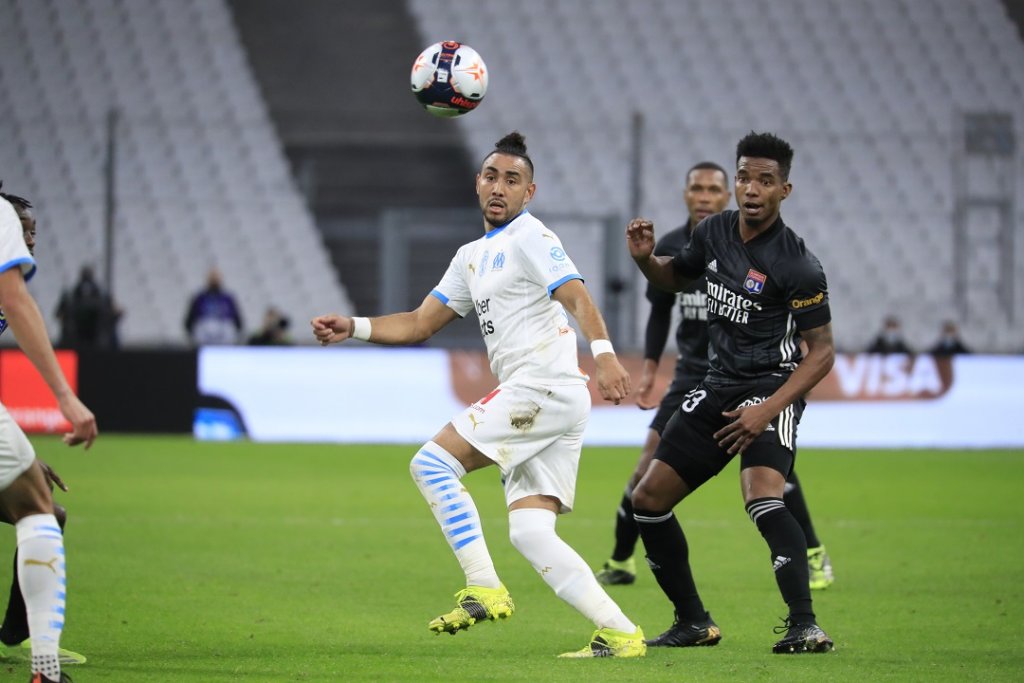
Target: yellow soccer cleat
x: 819, y: 566
x: 24, y: 651
x: 473, y: 604
x: 607, y: 642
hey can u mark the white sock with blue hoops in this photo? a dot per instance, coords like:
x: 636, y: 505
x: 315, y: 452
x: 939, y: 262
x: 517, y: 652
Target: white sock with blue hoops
x: 437, y: 474
x: 42, y: 580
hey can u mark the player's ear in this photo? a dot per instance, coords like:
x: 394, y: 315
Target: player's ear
x: 530, y: 190
x: 787, y: 187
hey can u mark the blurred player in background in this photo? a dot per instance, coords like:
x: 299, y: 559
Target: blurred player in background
x: 25, y: 497
x: 706, y: 193
x: 520, y: 282
x: 766, y: 293
x: 14, y: 630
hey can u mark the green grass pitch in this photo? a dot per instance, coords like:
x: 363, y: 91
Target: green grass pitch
x: 245, y: 562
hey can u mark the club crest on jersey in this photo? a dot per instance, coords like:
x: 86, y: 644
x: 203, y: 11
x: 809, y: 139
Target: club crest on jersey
x: 499, y: 261
x: 754, y: 281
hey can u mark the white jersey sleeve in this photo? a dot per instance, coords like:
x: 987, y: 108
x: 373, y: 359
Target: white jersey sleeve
x: 545, y: 259
x: 453, y: 290
x: 13, y: 251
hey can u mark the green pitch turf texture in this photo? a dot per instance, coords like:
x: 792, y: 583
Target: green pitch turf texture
x: 245, y: 562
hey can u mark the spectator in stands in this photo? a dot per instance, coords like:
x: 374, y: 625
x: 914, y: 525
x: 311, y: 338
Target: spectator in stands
x: 213, y: 316
x: 890, y: 339
x: 949, y: 343
x: 274, y: 331
x: 88, y: 316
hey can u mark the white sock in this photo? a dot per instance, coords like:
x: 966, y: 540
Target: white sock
x: 532, y: 531
x: 437, y: 474
x: 43, y: 583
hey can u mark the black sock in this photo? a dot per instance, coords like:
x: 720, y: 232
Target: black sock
x: 669, y: 558
x: 794, y: 498
x: 789, y: 555
x: 626, y: 533
x: 15, y: 626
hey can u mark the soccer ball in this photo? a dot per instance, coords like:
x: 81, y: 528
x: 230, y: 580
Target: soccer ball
x: 449, y: 79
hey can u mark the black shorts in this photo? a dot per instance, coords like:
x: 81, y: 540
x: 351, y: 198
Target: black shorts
x: 688, y: 445
x: 677, y: 391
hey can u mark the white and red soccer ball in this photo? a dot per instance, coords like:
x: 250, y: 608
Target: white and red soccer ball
x: 449, y: 79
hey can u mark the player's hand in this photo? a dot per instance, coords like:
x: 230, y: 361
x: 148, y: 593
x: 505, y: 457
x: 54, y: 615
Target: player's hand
x: 331, y: 329
x: 83, y: 422
x: 640, y: 238
x: 644, y: 391
x: 749, y: 423
x: 52, y: 477
x: 612, y: 379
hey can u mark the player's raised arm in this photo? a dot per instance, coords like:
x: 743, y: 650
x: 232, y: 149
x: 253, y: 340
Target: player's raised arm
x: 658, y: 270
x: 411, y: 327
x: 612, y: 379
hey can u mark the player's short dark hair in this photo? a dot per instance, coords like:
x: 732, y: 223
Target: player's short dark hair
x: 18, y: 202
x: 767, y: 146
x: 707, y: 166
x: 515, y: 144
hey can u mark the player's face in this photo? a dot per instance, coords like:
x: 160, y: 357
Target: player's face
x: 504, y: 186
x: 28, y: 229
x: 760, y: 190
x: 706, y: 193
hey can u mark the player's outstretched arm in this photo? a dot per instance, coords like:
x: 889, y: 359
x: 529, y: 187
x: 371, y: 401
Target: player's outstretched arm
x: 412, y: 327
x: 612, y: 379
x: 26, y: 322
x: 657, y: 269
x: 753, y: 420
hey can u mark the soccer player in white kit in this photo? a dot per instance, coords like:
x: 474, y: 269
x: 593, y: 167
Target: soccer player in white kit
x: 519, y: 280
x: 24, y: 493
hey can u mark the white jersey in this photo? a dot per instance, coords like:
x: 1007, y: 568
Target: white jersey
x: 508, y: 276
x: 13, y: 251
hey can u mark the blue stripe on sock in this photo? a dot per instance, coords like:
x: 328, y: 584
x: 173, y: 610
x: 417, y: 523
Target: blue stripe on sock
x: 453, y: 507
x: 60, y: 550
x: 423, y: 472
x: 447, y: 487
x: 449, y: 496
x: 58, y: 610
x: 462, y: 542
x: 461, y: 530
x: 61, y: 595
x: 57, y: 625
x: 48, y: 528
x: 62, y: 581
x: 459, y: 518
x: 432, y: 465
x: 439, y: 461
x: 431, y: 482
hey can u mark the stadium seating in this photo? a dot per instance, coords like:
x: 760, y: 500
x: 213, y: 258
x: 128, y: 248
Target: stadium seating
x: 868, y: 92
x: 201, y: 177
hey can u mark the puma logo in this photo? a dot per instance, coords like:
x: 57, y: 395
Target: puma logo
x: 472, y: 418
x: 29, y: 561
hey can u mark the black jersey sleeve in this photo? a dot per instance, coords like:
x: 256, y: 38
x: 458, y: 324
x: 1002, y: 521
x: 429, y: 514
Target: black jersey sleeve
x: 807, y: 294
x: 690, y: 262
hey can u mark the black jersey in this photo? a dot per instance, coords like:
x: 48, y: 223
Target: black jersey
x: 692, y: 332
x: 760, y: 295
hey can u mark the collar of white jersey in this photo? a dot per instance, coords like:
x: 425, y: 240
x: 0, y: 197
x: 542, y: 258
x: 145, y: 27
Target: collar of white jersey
x: 507, y: 223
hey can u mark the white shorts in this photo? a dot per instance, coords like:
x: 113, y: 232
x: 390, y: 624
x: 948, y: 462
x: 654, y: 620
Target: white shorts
x: 534, y: 433
x: 16, y: 453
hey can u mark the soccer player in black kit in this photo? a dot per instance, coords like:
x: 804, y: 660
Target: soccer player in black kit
x: 706, y: 193
x: 766, y: 293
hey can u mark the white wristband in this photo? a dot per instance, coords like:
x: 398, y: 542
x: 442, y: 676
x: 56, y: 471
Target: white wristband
x: 361, y: 329
x: 599, y: 346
